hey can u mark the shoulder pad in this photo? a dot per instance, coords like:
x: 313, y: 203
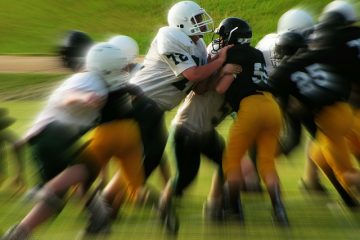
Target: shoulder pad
x: 171, y: 39
x: 267, y: 42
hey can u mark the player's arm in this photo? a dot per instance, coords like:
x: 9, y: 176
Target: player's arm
x: 199, y: 73
x: 228, y: 69
x: 129, y: 88
x: 88, y: 99
x: 224, y: 83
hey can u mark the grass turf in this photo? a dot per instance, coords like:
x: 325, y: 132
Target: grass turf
x: 35, y: 26
x: 311, y: 216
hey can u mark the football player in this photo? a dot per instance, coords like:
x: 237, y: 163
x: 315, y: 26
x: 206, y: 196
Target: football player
x: 177, y: 58
x: 194, y: 134
x: 71, y: 49
x: 247, y: 93
x: 338, y: 17
x: 133, y: 49
x: 295, y: 19
x: 321, y: 82
x: 299, y: 21
x: 72, y: 109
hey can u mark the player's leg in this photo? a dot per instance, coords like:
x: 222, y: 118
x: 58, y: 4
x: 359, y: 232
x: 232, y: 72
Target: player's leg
x: 213, y: 145
x: 311, y: 180
x: 187, y: 155
x: 317, y: 157
x: 115, y: 139
x: 335, y: 122
x: 242, y: 134
x: 128, y: 153
x: 153, y: 132
x: 51, y: 199
x: 267, y: 148
x: 353, y: 137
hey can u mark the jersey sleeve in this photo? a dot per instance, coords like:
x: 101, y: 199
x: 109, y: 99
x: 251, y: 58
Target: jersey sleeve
x: 175, y: 49
x: 178, y: 61
x: 234, y: 57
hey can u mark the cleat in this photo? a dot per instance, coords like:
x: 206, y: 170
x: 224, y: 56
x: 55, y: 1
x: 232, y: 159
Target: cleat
x: 279, y: 212
x: 235, y: 214
x: 212, y: 211
x: 168, y: 217
x: 233, y: 209
x: 99, y: 216
x: 280, y: 216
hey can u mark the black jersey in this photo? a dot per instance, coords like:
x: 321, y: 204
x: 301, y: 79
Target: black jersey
x: 345, y: 43
x: 311, y: 78
x: 253, y: 77
x: 119, y: 103
x: 344, y: 46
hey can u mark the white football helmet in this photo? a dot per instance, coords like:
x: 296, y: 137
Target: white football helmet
x: 105, y: 59
x: 344, y: 8
x: 190, y: 18
x: 127, y: 44
x: 295, y: 20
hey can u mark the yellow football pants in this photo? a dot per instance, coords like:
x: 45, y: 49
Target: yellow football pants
x: 259, y: 121
x: 334, y: 123
x: 121, y: 141
x: 353, y: 137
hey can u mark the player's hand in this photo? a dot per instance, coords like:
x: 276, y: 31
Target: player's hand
x: 223, y: 52
x: 232, y: 69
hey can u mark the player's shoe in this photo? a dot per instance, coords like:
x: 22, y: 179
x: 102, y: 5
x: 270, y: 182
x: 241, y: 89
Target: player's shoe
x: 213, y: 211
x: 235, y: 213
x: 280, y: 216
x: 99, y: 216
x: 168, y: 216
x: 16, y: 233
x: 315, y: 187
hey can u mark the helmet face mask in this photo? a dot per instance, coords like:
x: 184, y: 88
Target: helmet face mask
x: 190, y: 18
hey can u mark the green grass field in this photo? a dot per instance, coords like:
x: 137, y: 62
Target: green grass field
x: 35, y: 26
x: 311, y: 216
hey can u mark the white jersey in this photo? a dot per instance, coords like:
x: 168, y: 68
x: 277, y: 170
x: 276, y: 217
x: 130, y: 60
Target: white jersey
x: 267, y: 46
x: 170, y: 53
x: 74, y: 115
x: 119, y: 80
x: 201, y: 113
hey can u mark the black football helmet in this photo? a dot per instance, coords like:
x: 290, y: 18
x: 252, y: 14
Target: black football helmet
x: 233, y: 31
x: 288, y: 43
x: 73, y: 48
